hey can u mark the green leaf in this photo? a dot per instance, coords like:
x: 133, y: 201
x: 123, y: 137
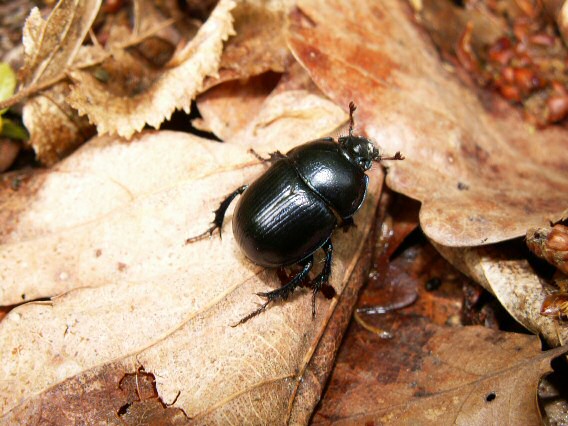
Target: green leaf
x: 7, y: 82
x: 13, y: 130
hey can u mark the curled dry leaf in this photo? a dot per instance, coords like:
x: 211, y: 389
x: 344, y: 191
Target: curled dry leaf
x: 434, y: 375
x: 55, y: 128
x: 513, y: 282
x: 136, y: 295
x: 481, y: 173
x: 125, y: 109
x: 50, y: 48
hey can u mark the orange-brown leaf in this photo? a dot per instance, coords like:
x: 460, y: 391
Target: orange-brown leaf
x: 103, y: 234
x: 435, y: 375
x: 482, y: 174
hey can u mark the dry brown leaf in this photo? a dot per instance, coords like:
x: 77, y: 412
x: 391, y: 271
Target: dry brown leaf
x: 433, y: 375
x: 55, y: 128
x: 482, y: 174
x: 118, y: 105
x: 230, y: 106
x: 259, y: 44
x: 51, y: 47
x: 506, y: 274
x: 33, y: 218
x: 136, y: 295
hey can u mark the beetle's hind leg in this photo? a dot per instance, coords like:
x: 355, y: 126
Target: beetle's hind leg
x: 219, y: 215
x: 320, y: 283
x: 283, y: 292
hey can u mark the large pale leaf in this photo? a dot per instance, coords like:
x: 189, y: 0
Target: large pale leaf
x: 131, y: 293
x: 482, y: 174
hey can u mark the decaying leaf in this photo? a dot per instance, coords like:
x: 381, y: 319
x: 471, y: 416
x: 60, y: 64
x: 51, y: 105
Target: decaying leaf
x: 481, y: 173
x: 122, y: 266
x: 51, y: 47
x: 431, y: 374
x: 8, y: 151
x: 124, y: 103
x: 446, y: 21
x: 110, y: 396
x: 511, y: 47
x: 55, y: 128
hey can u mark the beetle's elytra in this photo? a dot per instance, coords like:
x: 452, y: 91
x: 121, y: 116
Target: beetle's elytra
x: 292, y: 209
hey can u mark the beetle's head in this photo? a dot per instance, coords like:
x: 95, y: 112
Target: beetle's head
x: 359, y: 149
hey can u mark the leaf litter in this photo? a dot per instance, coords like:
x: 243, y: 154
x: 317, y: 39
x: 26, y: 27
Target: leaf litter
x: 432, y: 370
x: 472, y: 164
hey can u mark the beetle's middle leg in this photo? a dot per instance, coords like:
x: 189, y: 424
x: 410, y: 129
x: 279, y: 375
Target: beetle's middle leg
x: 283, y: 292
x: 219, y: 215
x: 321, y: 281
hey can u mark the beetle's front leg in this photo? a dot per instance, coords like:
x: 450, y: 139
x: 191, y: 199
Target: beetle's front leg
x: 321, y: 281
x: 272, y: 157
x: 219, y: 215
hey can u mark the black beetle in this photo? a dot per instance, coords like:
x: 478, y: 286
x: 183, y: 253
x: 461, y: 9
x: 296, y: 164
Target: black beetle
x: 291, y: 210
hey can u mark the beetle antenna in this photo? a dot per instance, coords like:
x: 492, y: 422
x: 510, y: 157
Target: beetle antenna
x: 352, y: 109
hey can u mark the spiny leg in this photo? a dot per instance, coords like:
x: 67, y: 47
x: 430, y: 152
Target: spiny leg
x: 321, y: 281
x: 283, y: 292
x: 219, y: 215
x: 272, y: 157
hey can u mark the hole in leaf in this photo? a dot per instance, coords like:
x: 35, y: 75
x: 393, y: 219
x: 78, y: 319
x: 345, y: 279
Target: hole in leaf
x: 122, y: 410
